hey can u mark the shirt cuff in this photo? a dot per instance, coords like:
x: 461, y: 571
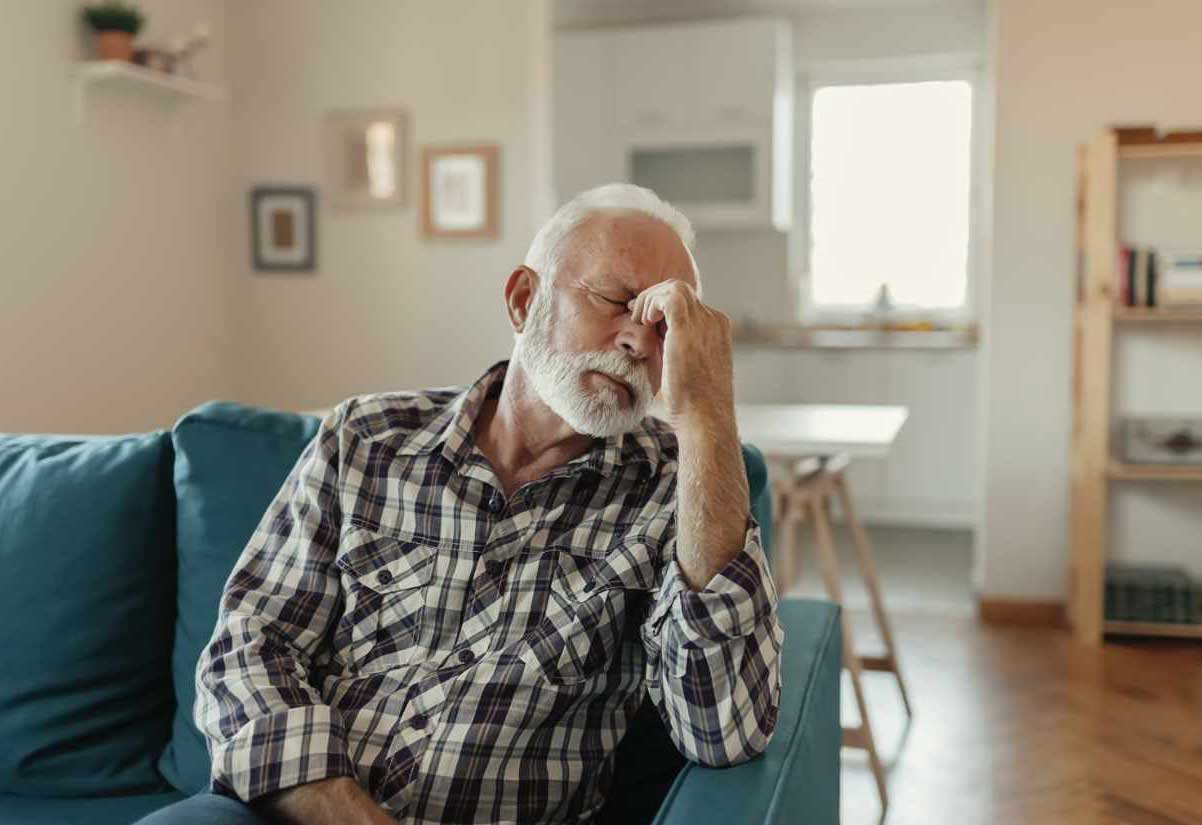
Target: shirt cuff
x: 282, y: 750
x: 732, y: 605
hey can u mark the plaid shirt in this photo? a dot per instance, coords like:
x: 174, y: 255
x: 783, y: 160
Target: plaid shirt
x: 467, y: 657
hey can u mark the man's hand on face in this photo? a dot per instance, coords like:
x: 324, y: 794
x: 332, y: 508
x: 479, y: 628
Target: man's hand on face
x: 698, y: 378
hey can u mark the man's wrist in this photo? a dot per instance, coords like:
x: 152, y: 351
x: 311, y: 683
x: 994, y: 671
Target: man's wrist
x: 705, y: 422
x: 336, y: 801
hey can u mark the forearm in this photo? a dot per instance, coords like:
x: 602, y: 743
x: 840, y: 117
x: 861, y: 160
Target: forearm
x: 329, y: 802
x: 711, y: 495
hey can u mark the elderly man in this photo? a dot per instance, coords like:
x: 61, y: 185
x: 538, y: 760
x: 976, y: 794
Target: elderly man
x: 460, y: 597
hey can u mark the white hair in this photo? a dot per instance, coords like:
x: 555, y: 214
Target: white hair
x: 546, y: 250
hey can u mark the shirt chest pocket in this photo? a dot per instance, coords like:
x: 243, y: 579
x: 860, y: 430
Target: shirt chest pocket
x: 385, y: 581
x: 595, y: 605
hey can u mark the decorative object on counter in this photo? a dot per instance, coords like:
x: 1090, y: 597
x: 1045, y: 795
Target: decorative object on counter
x: 460, y: 191
x: 283, y: 233
x: 114, y: 23
x: 882, y: 308
x: 1161, y: 440
x: 365, y: 153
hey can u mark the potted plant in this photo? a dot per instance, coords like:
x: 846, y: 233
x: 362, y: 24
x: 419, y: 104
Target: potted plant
x: 115, y: 24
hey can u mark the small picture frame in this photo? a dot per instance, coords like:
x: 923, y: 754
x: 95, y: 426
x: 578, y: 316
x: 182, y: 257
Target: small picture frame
x: 283, y: 235
x: 365, y: 151
x: 460, y: 191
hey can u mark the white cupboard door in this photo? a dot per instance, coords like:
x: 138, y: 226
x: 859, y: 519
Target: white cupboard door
x: 586, y: 154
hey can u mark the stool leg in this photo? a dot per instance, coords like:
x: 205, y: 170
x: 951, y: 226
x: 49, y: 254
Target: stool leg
x: 782, y: 543
x: 861, y: 737
x: 873, y: 583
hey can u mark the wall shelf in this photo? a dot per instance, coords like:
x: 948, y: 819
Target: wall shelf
x: 93, y: 74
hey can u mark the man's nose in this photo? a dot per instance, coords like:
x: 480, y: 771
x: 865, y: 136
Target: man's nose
x: 638, y: 341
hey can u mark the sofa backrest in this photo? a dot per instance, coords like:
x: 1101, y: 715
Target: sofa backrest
x: 88, y: 566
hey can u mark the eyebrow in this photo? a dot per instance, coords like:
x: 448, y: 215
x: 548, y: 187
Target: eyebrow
x: 610, y: 281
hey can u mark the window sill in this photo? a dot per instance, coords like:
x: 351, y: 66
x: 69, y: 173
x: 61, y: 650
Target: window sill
x: 797, y: 336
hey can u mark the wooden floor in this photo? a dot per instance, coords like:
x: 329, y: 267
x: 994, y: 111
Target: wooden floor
x: 1018, y: 725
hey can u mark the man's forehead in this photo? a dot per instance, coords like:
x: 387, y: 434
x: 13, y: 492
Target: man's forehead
x: 629, y: 250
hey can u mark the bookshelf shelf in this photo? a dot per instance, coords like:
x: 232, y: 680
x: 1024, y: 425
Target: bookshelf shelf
x: 1184, y: 631
x: 1096, y: 323
x: 1151, y: 315
x: 1121, y: 471
x: 1161, y: 150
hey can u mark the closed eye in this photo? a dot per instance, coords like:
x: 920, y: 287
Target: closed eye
x: 611, y: 301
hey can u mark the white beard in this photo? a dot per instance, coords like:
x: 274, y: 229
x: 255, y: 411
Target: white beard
x: 557, y: 377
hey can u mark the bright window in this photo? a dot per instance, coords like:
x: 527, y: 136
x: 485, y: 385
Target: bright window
x: 889, y: 194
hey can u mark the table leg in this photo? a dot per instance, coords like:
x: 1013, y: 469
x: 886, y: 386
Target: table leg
x: 873, y: 584
x: 860, y: 737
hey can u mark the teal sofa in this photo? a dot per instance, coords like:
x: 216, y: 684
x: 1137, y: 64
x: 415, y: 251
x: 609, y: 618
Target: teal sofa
x: 114, y: 551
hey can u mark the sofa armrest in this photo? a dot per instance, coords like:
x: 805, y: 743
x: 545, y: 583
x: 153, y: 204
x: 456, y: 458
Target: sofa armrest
x: 796, y: 781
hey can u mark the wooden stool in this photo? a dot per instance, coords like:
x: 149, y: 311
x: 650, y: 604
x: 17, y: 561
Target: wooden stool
x: 803, y: 491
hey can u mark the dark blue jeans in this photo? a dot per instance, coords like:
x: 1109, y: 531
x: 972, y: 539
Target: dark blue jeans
x: 204, y: 809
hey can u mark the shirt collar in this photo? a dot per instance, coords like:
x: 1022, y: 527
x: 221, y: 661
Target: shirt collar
x: 452, y: 431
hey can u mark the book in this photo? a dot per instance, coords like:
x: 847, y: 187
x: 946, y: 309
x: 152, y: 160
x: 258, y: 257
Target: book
x: 1151, y: 593
x: 1128, y: 270
x: 1180, y: 279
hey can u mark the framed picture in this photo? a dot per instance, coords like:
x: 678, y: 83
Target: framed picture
x: 365, y: 152
x: 282, y: 221
x: 460, y: 191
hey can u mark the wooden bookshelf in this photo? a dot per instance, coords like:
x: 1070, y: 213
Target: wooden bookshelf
x: 1098, y: 317
x: 1184, y: 631
x: 1121, y: 471
x: 1152, y: 315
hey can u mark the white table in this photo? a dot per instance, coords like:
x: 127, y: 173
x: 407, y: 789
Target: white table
x: 803, y: 492
x: 799, y: 430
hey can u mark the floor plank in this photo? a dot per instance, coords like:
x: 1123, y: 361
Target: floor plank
x: 1023, y: 725
x: 1014, y: 725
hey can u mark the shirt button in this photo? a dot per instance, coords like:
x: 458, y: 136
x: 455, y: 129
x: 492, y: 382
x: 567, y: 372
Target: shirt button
x: 467, y: 657
x: 493, y: 568
x: 419, y: 722
x: 495, y: 503
x: 384, y: 576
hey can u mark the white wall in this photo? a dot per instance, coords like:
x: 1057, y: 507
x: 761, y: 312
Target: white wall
x: 387, y: 309
x: 111, y: 277
x: 1063, y: 71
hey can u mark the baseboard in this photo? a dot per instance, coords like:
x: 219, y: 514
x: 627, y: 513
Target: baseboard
x: 1025, y: 612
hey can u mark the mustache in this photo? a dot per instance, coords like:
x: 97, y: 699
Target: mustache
x: 634, y: 373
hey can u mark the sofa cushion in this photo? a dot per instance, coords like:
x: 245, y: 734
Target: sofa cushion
x: 230, y: 461
x: 86, y: 546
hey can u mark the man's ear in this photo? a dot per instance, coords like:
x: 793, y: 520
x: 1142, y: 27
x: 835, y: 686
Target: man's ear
x: 519, y: 292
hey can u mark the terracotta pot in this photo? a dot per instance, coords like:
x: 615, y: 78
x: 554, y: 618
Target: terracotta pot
x: 115, y: 45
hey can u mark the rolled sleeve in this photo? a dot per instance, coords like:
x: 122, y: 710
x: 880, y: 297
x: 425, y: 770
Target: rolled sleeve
x: 714, y: 657
x: 282, y: 750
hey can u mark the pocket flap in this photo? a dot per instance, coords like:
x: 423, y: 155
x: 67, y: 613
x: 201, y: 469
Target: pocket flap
x: 385, y: 563
x: 628, y: 566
